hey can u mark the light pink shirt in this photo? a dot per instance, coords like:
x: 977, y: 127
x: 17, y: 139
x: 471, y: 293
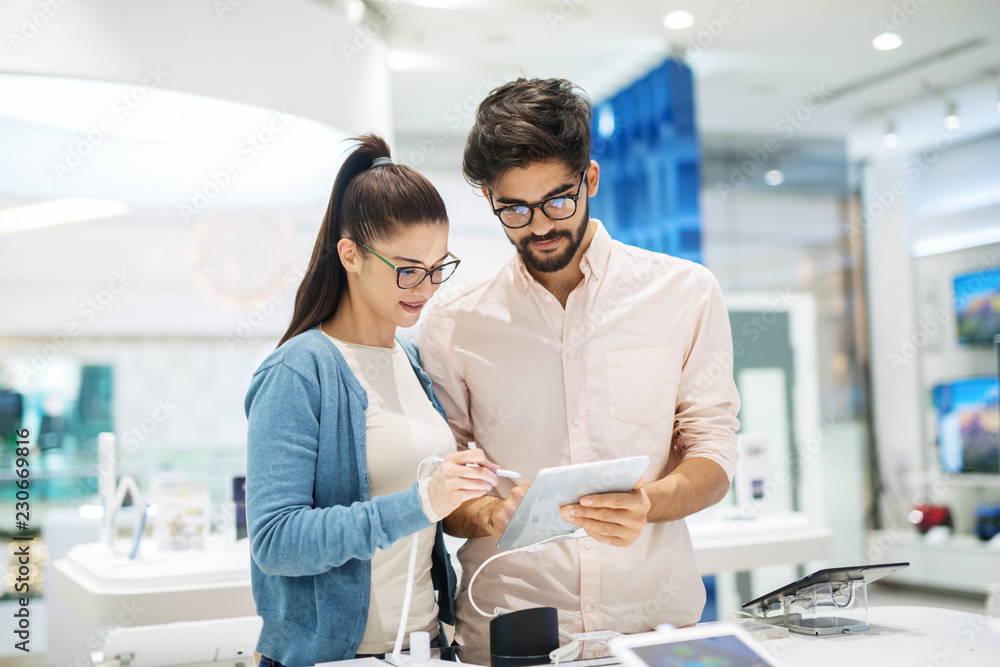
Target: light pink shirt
x: 639, y: 362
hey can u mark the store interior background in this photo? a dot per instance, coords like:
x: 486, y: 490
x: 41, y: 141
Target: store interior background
x: 857, y: 239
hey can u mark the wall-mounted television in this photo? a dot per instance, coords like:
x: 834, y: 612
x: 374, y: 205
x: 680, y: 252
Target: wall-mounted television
x: 968, y: 413
x: 977, y: 306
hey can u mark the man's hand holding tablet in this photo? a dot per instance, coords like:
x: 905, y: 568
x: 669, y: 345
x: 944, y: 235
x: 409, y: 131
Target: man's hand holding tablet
x: 611, y: 518
x: 593, y: 496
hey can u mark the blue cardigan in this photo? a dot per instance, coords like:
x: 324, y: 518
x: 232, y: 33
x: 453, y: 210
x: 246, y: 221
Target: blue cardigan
x: 312, y: 522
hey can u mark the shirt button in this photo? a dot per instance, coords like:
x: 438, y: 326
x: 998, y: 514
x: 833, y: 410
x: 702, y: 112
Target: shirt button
x: 548, y: 298
x: 587, y: 544
x: 590, y: 654
x: 571, y: 354
x: 576, y: 421
x: 588, y: 607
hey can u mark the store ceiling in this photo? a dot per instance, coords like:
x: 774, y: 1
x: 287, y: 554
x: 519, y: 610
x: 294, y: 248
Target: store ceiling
x: 755, y: 60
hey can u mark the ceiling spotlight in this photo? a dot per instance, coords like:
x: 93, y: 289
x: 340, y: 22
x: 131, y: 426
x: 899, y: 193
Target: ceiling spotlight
x: 774, y: 177
x: 887, y: 41
x: 354, y: 11
x: 678, y: 20
x: 890, y: 138
x: 951, y: 119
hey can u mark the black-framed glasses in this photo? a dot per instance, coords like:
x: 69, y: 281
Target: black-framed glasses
x: 554, y: 208
x: 408, y: 277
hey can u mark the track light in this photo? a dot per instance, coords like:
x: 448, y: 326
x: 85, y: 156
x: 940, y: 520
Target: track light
x: 678, y: 20
x: 887, y: 41
x: 951, y: 119
x: 890, y: 138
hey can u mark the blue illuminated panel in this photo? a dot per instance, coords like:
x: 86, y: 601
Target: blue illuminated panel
x: 646, y: 142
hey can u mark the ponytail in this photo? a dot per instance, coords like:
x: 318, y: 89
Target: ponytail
x: 372, y: 198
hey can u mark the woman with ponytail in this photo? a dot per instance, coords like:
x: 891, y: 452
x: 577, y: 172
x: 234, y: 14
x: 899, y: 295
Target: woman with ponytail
x: 340, y: 418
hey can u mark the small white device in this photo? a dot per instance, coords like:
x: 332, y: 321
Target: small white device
x: 717, y: 644
x: 538, y: 518
x: 752, y: 472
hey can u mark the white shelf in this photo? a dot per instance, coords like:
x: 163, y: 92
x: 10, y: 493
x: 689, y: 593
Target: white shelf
x: 730, y: 544
x: 963, y: 563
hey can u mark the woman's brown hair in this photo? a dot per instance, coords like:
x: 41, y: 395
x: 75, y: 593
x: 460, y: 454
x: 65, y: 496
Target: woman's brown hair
x: 368, y: 204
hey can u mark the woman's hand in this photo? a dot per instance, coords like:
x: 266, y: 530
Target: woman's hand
x: 454, y: 482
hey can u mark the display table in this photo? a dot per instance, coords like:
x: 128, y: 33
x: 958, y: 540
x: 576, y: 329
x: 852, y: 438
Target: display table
x: 166, y: 587
x: 191, y: 586
x: 900, y: 637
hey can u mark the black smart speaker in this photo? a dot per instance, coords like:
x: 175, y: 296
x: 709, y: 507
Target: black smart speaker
x: 524, y: 637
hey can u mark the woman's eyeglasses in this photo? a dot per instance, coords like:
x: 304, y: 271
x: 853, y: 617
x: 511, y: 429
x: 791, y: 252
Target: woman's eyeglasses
x: 408, y: 277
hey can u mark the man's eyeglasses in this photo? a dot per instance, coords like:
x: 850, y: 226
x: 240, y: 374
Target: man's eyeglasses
x: 554, y: 208
x: 408, y: 277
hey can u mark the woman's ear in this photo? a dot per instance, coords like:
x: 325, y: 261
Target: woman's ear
x: 349, y: 257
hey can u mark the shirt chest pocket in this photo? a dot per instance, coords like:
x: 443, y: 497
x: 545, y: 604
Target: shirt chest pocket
x: 640, y: 385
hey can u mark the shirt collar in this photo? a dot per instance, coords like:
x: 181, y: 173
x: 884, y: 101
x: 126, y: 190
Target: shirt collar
x: 595, y: 259
x: 593, y: 263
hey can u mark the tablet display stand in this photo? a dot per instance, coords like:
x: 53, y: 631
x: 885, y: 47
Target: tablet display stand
x: 827, y: 608
x: 826, y: 602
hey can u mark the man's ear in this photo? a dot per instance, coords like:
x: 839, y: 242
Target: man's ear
x: 593, y: 178
x: 349, y: 256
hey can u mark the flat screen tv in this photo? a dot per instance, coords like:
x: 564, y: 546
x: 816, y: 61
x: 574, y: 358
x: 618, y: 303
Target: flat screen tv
x: 977, y: 306
x: 969, y: 425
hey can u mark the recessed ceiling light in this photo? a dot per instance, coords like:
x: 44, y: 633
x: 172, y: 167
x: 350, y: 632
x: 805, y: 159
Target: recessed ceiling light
x: 890, y: 138
x: 354, y: 11
x: 887, y: 41
x: 951, y: 119
x: 774, y: 177
x: 678, y: 20
x: 400, y: 60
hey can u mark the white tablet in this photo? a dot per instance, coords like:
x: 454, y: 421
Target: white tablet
x: 537, y: 518
x: 716, y: 644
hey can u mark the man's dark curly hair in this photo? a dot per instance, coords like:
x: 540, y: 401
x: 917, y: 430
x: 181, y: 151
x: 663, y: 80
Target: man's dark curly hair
x: 525, y: 122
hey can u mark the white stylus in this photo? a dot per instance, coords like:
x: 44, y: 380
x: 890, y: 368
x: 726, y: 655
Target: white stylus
x: 501, y: 472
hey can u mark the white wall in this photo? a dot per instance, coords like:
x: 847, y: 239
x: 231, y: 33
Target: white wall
x: 926, y: 200
x: 755, y: 240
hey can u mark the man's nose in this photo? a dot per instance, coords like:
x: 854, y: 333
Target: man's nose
x: 540, y: 223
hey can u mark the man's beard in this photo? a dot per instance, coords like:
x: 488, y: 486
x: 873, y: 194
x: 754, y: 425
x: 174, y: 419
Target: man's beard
x: 552, y: 263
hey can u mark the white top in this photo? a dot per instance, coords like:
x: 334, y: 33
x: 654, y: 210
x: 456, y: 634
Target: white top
x: 403, y: 428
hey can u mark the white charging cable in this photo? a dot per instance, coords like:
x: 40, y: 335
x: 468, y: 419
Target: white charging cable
x: 563, y: 652
x: 395, y: 658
